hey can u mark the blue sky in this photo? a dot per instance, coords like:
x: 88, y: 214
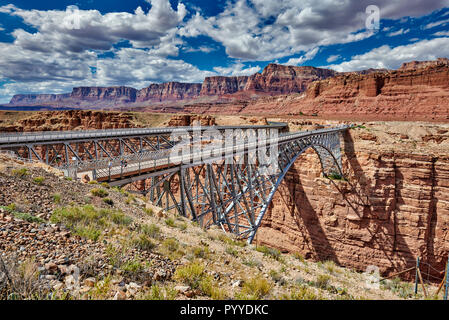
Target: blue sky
x: 52, y: 46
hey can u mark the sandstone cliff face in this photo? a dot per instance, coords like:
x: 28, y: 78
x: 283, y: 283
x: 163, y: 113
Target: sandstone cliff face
x: 279, y: 79
x: 409, y: 94
x: 37, y: 98
x: 71, y: 120
x: 169, y: 91
x: 393, y: 208
x: 223, y: 85
x: 274, y: 80
x: 123, y: 94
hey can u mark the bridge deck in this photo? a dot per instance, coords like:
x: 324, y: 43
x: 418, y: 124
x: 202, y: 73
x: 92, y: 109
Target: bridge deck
x: 9, y: 139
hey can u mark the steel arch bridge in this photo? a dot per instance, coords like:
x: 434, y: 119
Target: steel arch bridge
x: 232, y: 191
x: 235, y: 192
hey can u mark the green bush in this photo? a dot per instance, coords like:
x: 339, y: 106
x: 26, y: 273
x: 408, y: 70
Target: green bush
x: 39, y: 180
x: 151, y: 230
x: 93, y: 182
x: 191, y: 274
x: 99, y: 193
x: 254, y: 289
x: 170, y: 222
x: 27, y: 217
x: 143, y: 242
x: 20, y: 172
x: 57, y: 198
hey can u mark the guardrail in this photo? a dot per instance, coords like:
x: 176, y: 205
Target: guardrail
x: 18, y: 137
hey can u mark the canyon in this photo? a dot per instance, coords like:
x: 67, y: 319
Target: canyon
x: 392, y: 207
x: 418, y: 90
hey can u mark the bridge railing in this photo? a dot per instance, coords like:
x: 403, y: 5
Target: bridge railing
x: 18, y: 137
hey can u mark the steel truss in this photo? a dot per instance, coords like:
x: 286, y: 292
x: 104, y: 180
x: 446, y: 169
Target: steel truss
x: 235, y: 193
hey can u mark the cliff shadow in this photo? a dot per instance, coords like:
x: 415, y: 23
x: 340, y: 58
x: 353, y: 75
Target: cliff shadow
x: 307, y: 220
x: 382, y: 227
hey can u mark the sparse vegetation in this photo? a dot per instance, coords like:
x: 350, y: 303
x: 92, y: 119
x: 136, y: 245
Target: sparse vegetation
x: 143, y: 242
x: 254, y: 289
x: 20, y: 172
x: 88, y: 221
x: 108, y: 201
x: 269, y: 252
x: 170, y: 222
x: 39, y: 180
x: 99, y: 193
x: 57, y: 198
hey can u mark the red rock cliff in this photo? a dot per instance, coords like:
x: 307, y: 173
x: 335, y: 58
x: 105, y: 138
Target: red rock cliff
x: 393, y: 208
x: 169, y: 91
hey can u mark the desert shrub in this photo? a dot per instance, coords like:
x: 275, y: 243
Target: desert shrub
x: 88, y: 221
x: 20, y: 172
x: 300, y: 293
x: 191, y: 274
x: 210, y: 288
x: 27, y: 217
x: 132, y: 266
x: 170, y: 222
x: 157, y: 292
x: 39, y: 180
x: 99, y: 193
x: 68, y: 178
x: 200, y: 251
x: 151, y: 230
x: 269, y: 252
x: 224, y: 238
x: 322, y: 281
x: 20, y: 280
x: 143, y: 242
x: 402, y: 289
x: 253, y: 263
x: 93, y: 182
x: 231, y: 251
x: 254, y: 289
x: 106, y: 185
x: 170, y: 244
x: 336, y: 176
x: 57, y: 198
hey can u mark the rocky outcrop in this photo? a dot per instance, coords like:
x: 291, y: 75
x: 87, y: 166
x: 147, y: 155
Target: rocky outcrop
x: 274, y: 80
x: 171, y: 91
x: 418, y: 93
x: 122, y: 94
x: 71, y: 120
x: 37, y: 98
x: 424, y: 64
x: 188, y: 120
x: 223, y: 85
x: 393, y: 207
x: 278, y: 79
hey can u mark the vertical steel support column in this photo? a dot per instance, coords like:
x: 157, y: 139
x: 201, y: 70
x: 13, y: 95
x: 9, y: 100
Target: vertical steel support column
x: 182, y: 192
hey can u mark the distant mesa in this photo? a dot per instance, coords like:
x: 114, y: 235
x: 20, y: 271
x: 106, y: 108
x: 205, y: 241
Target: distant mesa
x: 275, y: 79
x: 418, y: 90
